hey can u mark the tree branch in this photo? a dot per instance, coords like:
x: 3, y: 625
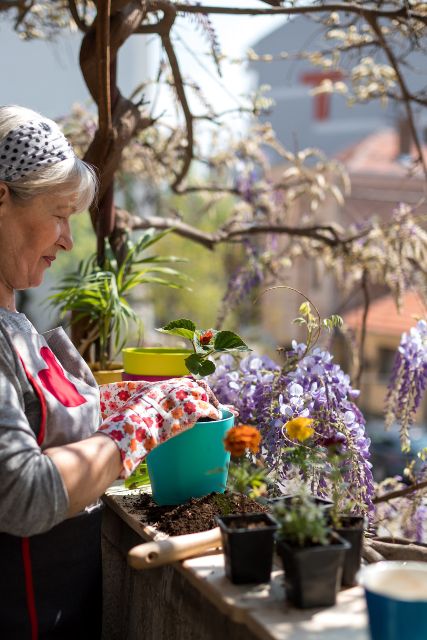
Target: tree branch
x: 401, y: 12
x: 399, y: 493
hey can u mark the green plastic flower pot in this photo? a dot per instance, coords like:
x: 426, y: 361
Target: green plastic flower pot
x: 191, y: 464
x: 155, y: 361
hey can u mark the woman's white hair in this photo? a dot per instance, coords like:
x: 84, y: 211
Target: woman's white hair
x: 71, y: 177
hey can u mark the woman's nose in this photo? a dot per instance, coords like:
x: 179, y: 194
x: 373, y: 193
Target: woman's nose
x: 66, y: 239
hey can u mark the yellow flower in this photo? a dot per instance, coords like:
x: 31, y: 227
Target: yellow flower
x: 299, y: 428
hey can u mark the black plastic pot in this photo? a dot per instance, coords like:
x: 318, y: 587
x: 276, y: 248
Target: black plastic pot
x: 351, y: 529
x: 248, y: 543
x: 313, y: 574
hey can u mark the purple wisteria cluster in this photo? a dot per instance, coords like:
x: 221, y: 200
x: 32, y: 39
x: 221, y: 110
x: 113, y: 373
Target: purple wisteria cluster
x: 268, y: 395
x: 408, y: 380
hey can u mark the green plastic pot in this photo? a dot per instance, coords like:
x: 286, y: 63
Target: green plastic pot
x: 155, y: 361
x: 191, y: 464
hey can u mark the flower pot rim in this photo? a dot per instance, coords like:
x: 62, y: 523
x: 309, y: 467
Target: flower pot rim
x: 222, y: 521
x: 339, y: 543
x: 160, y: 351
x: 358, y: 522
x: 323, y: 502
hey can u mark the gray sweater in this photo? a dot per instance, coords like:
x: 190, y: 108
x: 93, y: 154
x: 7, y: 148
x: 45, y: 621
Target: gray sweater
x: 32, y: 495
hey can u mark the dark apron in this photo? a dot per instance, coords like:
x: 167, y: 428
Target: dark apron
x: 51, y: 584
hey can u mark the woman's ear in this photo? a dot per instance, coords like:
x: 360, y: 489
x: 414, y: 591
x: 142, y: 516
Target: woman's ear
x: 4, y: 193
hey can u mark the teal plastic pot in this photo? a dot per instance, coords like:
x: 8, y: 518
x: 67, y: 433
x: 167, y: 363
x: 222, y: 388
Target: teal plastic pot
x: 191, y: 464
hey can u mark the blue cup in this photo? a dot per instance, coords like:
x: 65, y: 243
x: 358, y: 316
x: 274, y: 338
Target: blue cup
x: 396, y: 596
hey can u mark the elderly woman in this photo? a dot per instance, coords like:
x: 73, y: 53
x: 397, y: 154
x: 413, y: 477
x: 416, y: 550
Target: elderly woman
x: 56, y: 457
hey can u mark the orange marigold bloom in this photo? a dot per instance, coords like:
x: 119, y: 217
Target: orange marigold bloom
x: 240, y: 438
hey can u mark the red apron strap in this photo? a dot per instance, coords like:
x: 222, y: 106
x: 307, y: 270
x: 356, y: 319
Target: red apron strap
x: 29, y: 588
x: 39, y: 394
x: 26, y: 555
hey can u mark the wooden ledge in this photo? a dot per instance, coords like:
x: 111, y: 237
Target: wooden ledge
x: 262, y: 608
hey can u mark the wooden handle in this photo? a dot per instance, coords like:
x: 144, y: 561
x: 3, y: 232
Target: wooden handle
x: 156, y: 554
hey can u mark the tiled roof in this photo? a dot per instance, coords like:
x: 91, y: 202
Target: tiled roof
x: 384, y: 318
x: 378, y: 153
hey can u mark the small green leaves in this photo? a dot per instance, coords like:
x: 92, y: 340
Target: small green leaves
x: 229, y: 341
x: 182, y: 327
x: 198, y: 365
x: 332, y: 322
x: 205, y: 342
x: 305, y: 309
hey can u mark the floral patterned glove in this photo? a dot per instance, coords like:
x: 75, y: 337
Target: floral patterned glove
x: 140, y: 415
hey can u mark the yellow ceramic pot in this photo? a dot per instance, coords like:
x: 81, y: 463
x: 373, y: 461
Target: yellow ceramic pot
x: 105, y: 376
x: 155, y: 361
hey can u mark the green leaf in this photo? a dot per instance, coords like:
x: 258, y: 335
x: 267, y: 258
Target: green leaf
x: 305, y: 309
x: 207, y: 367
x: 194, y: 363
x: 182, y: 327
x: 227, y: 340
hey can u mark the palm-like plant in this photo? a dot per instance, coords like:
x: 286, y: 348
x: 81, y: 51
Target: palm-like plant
x: 100, y: 294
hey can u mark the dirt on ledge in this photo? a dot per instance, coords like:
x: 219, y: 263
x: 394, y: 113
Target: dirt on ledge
x: 198, y: 514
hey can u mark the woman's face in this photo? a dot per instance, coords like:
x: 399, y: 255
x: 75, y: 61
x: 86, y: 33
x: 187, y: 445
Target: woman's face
x: 32, y: 232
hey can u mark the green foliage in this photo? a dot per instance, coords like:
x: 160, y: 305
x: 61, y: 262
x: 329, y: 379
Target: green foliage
x: 302, y: 523
x: 205, y: 342
x: 100, y: 295
x: 139, y: 478
x: 248, y: 478
x: 314, y: 324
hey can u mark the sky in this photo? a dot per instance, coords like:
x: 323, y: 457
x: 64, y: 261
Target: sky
x: 45, y: 75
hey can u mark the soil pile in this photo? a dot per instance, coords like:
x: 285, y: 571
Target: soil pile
x: 198, y: 514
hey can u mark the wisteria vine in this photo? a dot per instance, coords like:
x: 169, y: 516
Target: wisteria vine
x: 408, y: 381
x: 269, y: 395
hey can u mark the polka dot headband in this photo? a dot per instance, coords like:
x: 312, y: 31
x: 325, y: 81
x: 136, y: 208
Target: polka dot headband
x: 31, y: 146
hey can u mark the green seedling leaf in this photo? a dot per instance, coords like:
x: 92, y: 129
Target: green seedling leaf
x: 182, y: 327
x: 227, y: 340
x: 305, y: 309
x: 194, y: 363
x: 207, y: 367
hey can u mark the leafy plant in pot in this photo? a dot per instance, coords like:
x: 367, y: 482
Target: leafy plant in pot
x: 247, y: 538
x: 312, y: 554
x: 205, y: 344
x: 326, y: 454
x: 99, y: 297
x: 348, y: 524
x: 203, y: 442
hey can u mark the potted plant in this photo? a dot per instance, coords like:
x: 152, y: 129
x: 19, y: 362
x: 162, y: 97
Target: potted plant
x: 344, y: 521
x: 157, y: 363
x: 312, y: 554
x: 311, y: 452
x: 99, y: 296
x: 191, y: 464
x: 247, y: 538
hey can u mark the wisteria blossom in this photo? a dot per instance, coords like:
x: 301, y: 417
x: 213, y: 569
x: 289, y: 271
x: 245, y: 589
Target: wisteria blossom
x: 408, y: 381
x: 269, y: 395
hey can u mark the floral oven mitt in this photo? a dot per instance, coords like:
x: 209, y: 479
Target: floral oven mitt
x: 140, y: 415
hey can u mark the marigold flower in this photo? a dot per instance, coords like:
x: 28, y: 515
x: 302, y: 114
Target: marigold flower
x: 240, y: 438
x: 299, y: 428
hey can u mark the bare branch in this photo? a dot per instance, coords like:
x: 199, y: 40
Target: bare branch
x: 401, y: 12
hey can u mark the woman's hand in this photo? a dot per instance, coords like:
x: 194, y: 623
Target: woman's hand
x: 139, y: 415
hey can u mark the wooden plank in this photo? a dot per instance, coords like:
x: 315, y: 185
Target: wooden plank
x: 262, y: 608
